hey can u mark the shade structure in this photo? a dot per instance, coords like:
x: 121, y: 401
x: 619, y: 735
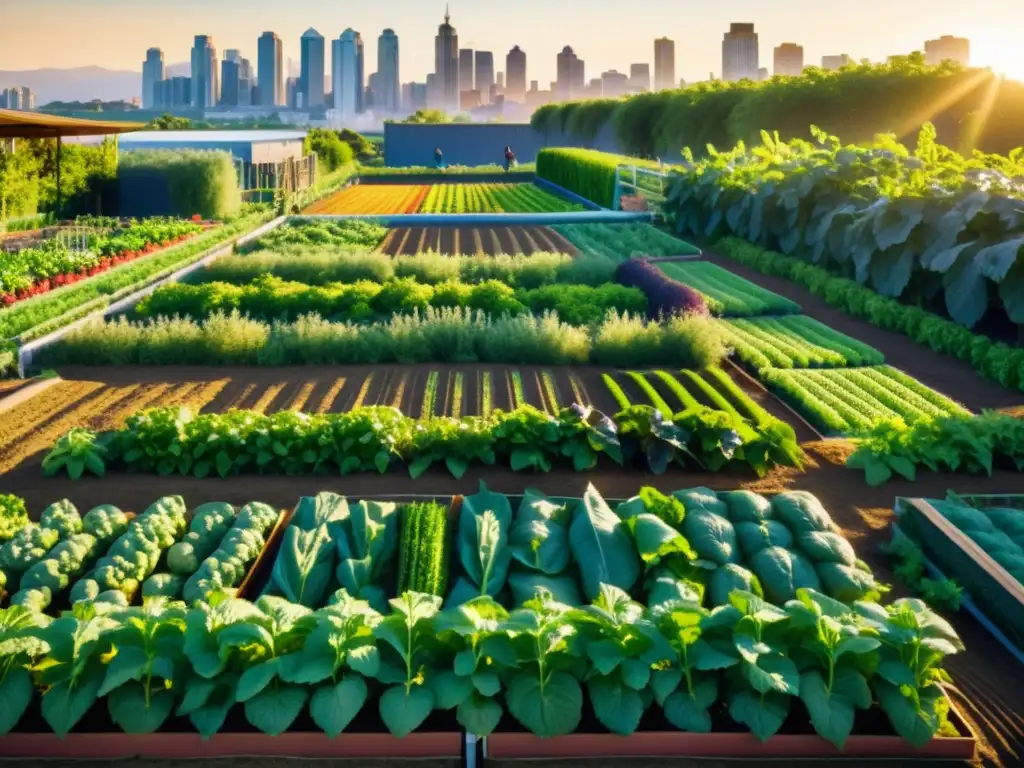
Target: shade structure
x: 34, y: 125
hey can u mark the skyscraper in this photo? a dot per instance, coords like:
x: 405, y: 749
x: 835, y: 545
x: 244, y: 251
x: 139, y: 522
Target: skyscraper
x: 270, y: 66
x: 569, y: 84
x: 835, y: 62
x: 347, y: 74
x: 311, y: 77
x: 446, y: 65
x: 947, y: 47
x: 740, y: 53
x: 640, y: 77
x: 515, y: 76
x: 28, y: 98
x: 152, y: 73
x: 230, y: 79
x: 614, y: 84
x: 388, y: 99
x: 789, y: 59
x: 664, y: 64
x: 205, y: 86
x: 484, y: 76
x: 246, y: 82
x: 465, y: 70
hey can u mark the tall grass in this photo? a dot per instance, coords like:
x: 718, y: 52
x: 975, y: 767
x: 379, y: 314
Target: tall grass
x: 320, y: 266
x: 437, y: 335
x: 165, y: 182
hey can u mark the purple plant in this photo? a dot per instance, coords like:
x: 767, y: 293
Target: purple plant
x: 665, y: 296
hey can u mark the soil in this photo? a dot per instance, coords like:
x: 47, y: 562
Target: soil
x: 474, y: 241
x: 952, y: 377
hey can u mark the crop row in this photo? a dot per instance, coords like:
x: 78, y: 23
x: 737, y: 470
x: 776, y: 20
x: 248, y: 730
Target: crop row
x: 435, y: 335
x: 34, y: 271
x: 371, y: 200
x: 270, y: 299
x: 733, y: 296
x: 624, y: 241
x: 796, y: 341
x: 854, y: 400
x: 174, y: 440
x: 703, y: 629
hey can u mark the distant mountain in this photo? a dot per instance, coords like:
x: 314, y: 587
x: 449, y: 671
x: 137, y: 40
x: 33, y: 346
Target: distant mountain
x: 77, y: 84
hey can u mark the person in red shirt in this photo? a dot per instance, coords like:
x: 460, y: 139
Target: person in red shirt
x: 510, y: 159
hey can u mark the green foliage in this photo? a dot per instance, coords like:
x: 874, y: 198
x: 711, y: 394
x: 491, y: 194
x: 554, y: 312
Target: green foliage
x: 995, y: 360
x: 449, y: 334
x: 423, y: 566
x: 586, y: 172
x: 28, y: 181
x: 328, y: 146
x: 169, y: 122
x: 624, y: 241
x: 192, y: 182
x: 728, y: 294
x: 796, y: 342
x: 493, y: 198
x: 958, y: 443
x: 355, y: 235
x: 913, y: 224
x: 13, y: 516
x: 856, y: 102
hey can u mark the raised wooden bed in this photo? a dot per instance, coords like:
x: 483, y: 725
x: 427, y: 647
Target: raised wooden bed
x: 993, y: 595
x: 871, y: 740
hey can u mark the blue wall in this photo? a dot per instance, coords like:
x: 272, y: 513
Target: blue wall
x: 478, y: 143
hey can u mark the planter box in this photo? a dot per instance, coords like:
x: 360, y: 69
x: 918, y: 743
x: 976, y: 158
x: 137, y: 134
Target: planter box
x: 727, y: 745
x: 994, y: 596
x: 184, y: 746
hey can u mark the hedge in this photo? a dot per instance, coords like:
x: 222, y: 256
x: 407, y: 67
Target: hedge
x: 164, y: 182
x: 586, y: 172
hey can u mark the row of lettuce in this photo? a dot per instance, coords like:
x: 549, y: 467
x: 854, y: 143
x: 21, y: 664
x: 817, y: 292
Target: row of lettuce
x: 704, y: 609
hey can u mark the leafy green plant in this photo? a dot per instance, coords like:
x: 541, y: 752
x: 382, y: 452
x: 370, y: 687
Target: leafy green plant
x: 483, y: 546
x: 77, y: 452
x: 423, y: 545
x: 13, y: 516
x: 20, y: 648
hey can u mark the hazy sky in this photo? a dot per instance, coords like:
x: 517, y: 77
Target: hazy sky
x: 607, y: 34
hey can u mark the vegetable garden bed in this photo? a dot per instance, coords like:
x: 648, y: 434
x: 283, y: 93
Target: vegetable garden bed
x: 384, y: 199
x: 796, y: 341
x: 728, y: 295
x: 981, y: 547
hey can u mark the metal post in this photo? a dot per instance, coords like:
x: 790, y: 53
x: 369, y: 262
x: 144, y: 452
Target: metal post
x: 58, y: 177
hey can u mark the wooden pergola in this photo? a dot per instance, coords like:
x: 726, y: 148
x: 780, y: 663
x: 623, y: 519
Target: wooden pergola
x: 34, y: 125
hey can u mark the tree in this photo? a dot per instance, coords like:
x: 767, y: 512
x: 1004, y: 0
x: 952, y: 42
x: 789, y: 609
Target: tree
x: 168, y: 122
x: 328, y: 147
x: 427, y: 116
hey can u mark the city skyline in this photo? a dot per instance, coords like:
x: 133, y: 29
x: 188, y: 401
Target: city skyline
x: 868, y: 29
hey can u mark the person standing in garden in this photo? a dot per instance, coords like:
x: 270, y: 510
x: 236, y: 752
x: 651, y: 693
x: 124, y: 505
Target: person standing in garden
x: 438, y: 158
x: 510, y: 159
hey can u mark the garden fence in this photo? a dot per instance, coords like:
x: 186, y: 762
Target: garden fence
x: 640, y: 189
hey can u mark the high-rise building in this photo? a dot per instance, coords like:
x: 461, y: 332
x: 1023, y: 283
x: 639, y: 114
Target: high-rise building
x: 446, y: 65
x: 414, y: 96
x: 311, y: 71
x: 246, y: 82
x: 152, y: 73
x: 949, y: 48
x: 387, y: 96
x: 640, y: 77
x: 500, y: 81
x: 10, y: 98
x: 173, y: 93
x: 465, y: 70
x: 348, y: 74
x: 484, y: 74
x: 835, y: 62
x: 230, y: 79
x: 614, y: 84
x: 664, y: 64
x: 515, y: 75
x: 740, y: 53
x: 789, y: 59
x: 205, y: 86
x: 270, y: 66
x: 28, y: 98
x: 571, y: 77
x: 294, y: 98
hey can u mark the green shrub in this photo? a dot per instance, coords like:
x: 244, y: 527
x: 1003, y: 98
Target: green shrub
x: 586, y: 172
x: 178, y: 183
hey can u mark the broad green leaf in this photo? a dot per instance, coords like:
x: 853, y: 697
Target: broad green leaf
x: 618, y: 707
x: 64, y: 705
x: 129, y: 710
x: 918, y: 725
x: 966, y: 290
x: 656, y: 539
x: 664, y: 682
x: 16, y: 691
x: 539, y: 537
x: 130, y: 663
x: 333, y: 707
x: 635, y: 674
x: 690, y: 712
x: 450, y: 689
x: 602, y: 546
x: 487, y: 683
x: 553, y: 709
x: 275, y: 708
x: 831, y: 713
x: 403, y: 712
x: 763, y: 715
x: 606, y: 655
x: 256, y: 679
x: 704, y: 656
x: 197, y: 693
x: 773, y: 673
x: 479, y: 715
x: 995, y: 261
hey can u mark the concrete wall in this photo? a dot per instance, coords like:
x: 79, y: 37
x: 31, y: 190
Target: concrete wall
x: 478, y: 143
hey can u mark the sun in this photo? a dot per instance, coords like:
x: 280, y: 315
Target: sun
x: 1001, y: 57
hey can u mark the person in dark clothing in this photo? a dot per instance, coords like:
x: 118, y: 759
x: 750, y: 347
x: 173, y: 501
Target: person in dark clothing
x: 510, y: 159
x: 438, y: 158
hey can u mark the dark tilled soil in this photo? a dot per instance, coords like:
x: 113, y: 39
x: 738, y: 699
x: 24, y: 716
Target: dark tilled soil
x: 473, y: 241
x: 954, y: 378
